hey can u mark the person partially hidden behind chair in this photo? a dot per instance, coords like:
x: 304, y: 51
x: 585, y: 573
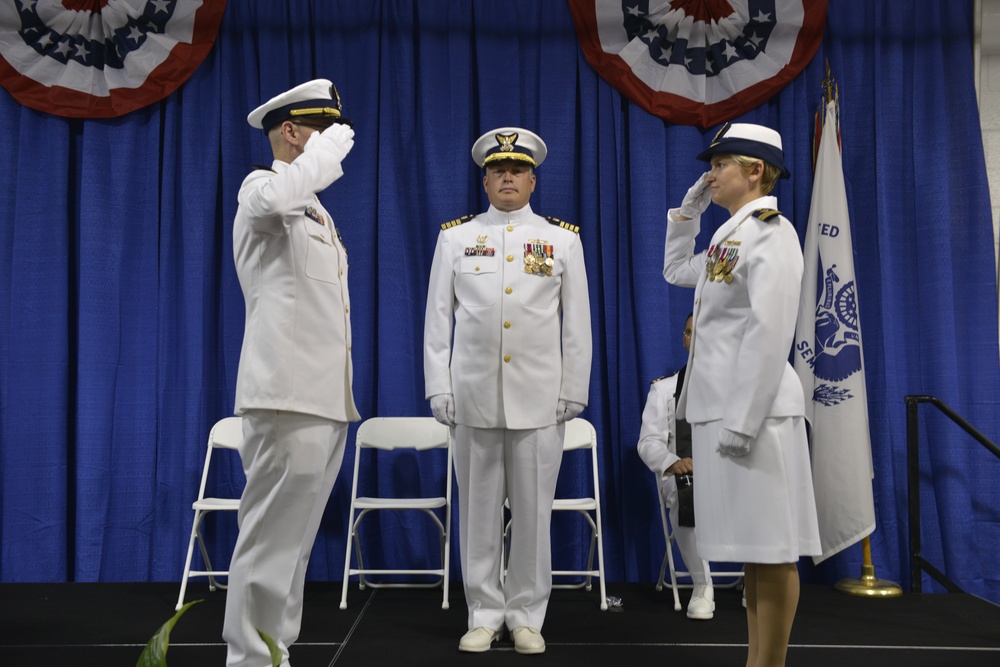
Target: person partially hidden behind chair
x: 665, y: 447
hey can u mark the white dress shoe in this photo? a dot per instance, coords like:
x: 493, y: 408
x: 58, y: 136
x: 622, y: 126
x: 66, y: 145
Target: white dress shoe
x: 702, y: 604
x: 527, y: 640
x: 478, y: 640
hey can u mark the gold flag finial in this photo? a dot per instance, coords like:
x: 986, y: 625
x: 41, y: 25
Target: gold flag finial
x: 830, y: 90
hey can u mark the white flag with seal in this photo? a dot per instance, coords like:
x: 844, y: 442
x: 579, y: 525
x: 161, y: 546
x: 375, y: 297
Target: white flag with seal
x: 829, y: 359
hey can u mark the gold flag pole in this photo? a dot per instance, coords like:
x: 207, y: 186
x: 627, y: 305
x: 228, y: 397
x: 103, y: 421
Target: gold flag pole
x: 868, y: 585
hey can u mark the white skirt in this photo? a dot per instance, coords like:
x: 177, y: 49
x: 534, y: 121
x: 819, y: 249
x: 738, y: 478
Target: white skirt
x: 759, y: 508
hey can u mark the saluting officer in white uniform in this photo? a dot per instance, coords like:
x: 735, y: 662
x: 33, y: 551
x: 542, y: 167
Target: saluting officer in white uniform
x: 754, y: 497
x: 665, y: 447
x: 294, y: 383
x: 512, y: 288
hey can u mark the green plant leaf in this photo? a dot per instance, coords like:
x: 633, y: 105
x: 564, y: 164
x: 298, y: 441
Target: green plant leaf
x: 273, y: 648
x: 155, y: 653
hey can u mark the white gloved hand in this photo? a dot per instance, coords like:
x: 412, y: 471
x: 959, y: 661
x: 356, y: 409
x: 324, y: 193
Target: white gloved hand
x: 566, y: 410
x: 443, y: 408
x: 697, y: 199
x: 338, y: 139
x: 733, y: 444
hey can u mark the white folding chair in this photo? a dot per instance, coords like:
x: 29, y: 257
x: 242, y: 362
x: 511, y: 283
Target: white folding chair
x: 580, y: 435
x: 225, y: 434
x: 389, y: 434
x: 720, y: 579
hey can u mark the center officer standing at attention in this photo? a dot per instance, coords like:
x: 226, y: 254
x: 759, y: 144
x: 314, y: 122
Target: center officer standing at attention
x: 513, y: 289
x: 754, y: 496
x: 293, y: 387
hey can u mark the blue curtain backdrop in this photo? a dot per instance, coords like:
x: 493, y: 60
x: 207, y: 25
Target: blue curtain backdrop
x: 121, y: 317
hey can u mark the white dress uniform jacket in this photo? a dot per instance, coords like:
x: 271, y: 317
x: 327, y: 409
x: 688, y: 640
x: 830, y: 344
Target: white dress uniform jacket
x: 658, y: 435
x: 740, y: 373
x: 513, y: 356
x: 296, y: 352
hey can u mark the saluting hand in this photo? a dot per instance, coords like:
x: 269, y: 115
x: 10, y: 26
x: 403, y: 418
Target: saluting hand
x: 697, y: 199
x: 338, y: 139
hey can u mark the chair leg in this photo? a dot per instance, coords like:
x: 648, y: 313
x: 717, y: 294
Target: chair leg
x: 446, y: 559
x: 357, y: 551
x: 673, y: 574
x: 600, y: 563
x: 588, y: 584
x: 187, y: 560
x: 347, y: 560
x: 204, y: 554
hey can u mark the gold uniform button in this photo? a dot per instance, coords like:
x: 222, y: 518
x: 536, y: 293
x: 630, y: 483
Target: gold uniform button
x: 510, y: 228
x: 506, y: 358
x: 510, y: 258
x: 347, y: 309
x: 509, y: 290
x: 506, y: 325
x: 477, y: 268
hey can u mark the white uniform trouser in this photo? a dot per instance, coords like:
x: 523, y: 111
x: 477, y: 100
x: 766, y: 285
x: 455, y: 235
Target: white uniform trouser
x: 523, y: 467
x: 291, y: 461
x: 696, y: 566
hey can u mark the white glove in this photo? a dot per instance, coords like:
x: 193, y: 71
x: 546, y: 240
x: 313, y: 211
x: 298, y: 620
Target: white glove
x: 338, y: 139
x: 443, y: 408
x: 697, y: 199
x: 566, y: 410
x: 733, y: 444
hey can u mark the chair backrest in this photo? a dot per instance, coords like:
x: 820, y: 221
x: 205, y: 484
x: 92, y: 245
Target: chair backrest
x: 580, y: 434
x: 227, y: 433
x: 390, y: 433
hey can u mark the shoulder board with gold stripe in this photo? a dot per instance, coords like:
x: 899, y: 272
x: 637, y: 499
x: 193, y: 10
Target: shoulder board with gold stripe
x: 662, y: 377
x: 456, y: 222
x: 562, y: 223
x: 766, y: 214
x: 260, y: 167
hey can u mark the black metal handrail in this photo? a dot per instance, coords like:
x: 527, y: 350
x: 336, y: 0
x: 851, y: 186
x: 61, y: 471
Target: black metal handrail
x: 917, y: 562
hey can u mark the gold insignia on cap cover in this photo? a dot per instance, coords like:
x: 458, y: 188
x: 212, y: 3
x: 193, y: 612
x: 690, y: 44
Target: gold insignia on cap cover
x: 507, y: 141
x: 721, y: 133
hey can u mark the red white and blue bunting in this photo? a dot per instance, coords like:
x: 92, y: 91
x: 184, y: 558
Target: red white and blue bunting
x: 102, y: 58
x: 699, y: 62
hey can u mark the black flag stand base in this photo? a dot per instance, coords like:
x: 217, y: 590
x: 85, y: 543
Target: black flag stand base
x: 868, y: 585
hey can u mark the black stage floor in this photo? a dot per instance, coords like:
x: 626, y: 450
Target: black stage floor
x: 107, y: 625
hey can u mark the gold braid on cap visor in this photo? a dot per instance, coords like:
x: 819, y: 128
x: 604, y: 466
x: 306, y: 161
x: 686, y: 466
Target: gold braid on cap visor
x: 317, y: 111
x: 520, y: 157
